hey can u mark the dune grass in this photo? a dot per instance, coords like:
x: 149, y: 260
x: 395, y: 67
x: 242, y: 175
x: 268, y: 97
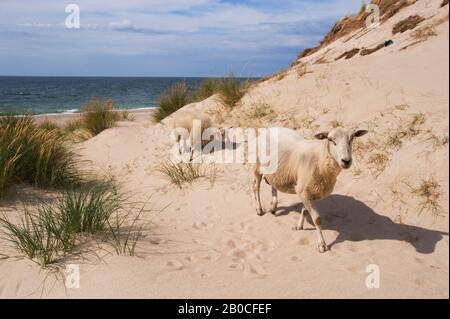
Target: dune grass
x: 430, y: 192
x: 33, y: 154
x: 98, y: 115
x: 206, y: 89
x: 170, y: 101
x: 55, y: 229
x: 185, y: 173
x: 231, y: 91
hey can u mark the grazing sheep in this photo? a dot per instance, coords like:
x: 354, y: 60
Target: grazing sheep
x: 183, y: 124
x: 308, y: 168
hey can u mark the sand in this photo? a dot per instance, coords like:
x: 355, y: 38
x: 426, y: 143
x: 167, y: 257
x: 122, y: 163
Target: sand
x: 206, y: 241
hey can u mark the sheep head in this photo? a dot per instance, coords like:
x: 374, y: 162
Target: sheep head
x: 339, y: 144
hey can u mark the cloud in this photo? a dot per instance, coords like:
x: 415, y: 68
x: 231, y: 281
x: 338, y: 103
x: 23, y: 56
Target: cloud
x: 164, y: 37
x: 121, y: 25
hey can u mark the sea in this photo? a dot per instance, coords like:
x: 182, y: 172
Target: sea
x: 49, y: 95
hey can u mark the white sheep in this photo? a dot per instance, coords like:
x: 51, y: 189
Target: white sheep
x: 185, y: 133
x: 308, y: 168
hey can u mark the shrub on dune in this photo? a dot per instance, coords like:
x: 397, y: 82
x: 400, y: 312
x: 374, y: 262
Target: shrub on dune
x: 98, y: 115
x: 170, y: 101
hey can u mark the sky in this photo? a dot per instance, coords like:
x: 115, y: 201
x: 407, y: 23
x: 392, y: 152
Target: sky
x: 162, y: 37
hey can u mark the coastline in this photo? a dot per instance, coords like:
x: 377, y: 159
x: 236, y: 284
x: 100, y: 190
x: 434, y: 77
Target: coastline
x: 63, y: 118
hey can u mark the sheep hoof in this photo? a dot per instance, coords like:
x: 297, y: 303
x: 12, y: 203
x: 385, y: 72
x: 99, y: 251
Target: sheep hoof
x: 297, y: 228
x: 322, y: 248
x: 259, y: 212
x: 273, y: 211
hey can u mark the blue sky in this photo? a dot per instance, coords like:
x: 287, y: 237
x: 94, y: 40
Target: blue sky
x: 161, y: 37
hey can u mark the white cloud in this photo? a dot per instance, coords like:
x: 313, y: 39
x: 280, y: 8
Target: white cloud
x: 121, y: 25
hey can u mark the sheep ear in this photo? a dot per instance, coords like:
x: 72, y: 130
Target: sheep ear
x: 360, y: 133
x: 321, y: 136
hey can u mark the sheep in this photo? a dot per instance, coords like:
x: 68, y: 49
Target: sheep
x: 183, y: 124
x: 308, y: 168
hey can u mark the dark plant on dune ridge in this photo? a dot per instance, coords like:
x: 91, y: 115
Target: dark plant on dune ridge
x: 98, y: 115
x: 170, y: 101
x: 351, y: 23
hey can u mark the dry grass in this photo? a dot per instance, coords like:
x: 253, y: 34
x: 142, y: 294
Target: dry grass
x: 348, y: 54
x: 321, y: 60
x: 349, y: 24
x: 430, y: 192
x: 389, y: 8
x: 125, y: 115
x: 378, y: 161
x: 302, y: 70
x: 395, y: 138
x: 336, y: 124
x: 180, y: 174
x: 261, y: 110
x: 436, y: 141
x: 407, y: 24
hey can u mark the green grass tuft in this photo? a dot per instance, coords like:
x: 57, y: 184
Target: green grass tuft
x: 98, y: 115
x: 35, y: 155
x: 206, y: 89
x: 54, y: 230
x: 231, y: 91
x: 170, y: 101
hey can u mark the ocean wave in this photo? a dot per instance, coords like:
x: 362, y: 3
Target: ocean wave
x: 71, y: 111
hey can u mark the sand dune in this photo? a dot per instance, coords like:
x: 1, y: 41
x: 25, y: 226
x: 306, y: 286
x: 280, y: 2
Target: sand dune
x: 209, y: 242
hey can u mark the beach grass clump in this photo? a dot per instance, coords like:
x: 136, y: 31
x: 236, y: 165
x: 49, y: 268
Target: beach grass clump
x: 54, y: 229
x: 49, y: 126
x: 36, y: 155
x: 378, y: 161
x: 123, y: 234
x: 125, y: 115
x: 98, y: 115
x: 231, y: 90
x: 170, y: 101
x: 430, y: 192
x: 185, y: 173
x: 204, y: 90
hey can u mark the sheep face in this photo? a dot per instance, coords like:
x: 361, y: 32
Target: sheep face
x: 339, y: 144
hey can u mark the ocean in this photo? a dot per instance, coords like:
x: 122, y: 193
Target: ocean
x: 44, y: 95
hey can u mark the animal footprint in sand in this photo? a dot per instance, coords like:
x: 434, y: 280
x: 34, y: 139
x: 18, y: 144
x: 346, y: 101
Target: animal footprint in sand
x: 175, y: 265
x: 202, y: 225
x: 247, y: 255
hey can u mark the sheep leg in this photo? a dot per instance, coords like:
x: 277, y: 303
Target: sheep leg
x: 301, y: 221
x: 322, y: 246
x: 274, y: 202
x: 256, y: 193
x: 175, y: 138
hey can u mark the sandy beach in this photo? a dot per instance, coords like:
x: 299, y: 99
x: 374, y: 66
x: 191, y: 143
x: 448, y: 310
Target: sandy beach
x: 205, y: 240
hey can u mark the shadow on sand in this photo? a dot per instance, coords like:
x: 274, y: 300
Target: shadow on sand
x: 355, y: 221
